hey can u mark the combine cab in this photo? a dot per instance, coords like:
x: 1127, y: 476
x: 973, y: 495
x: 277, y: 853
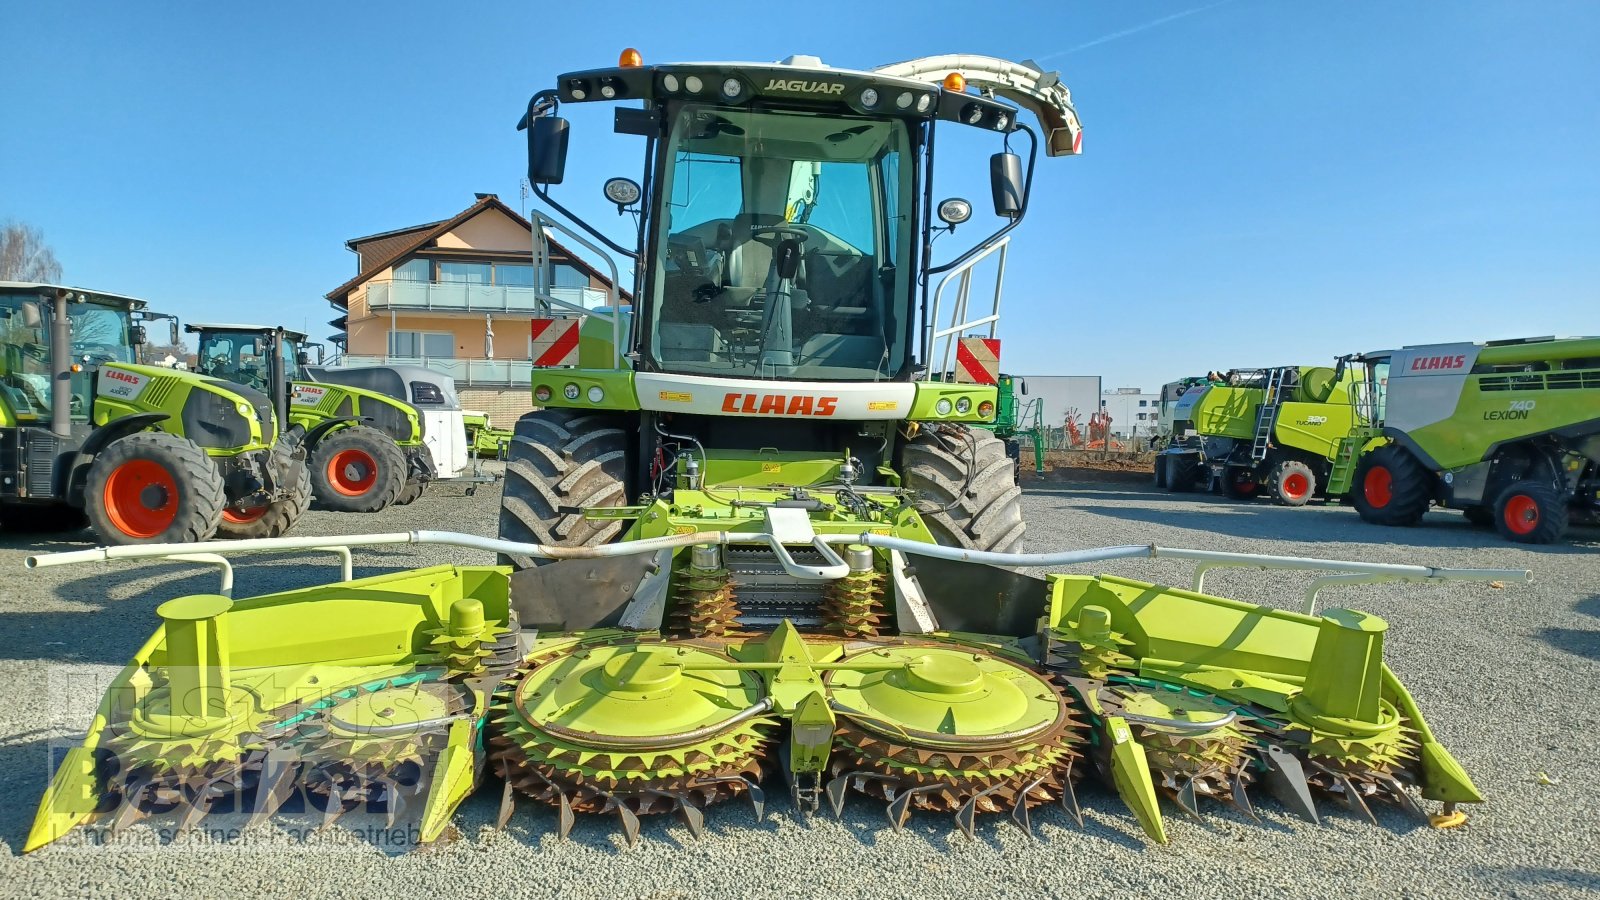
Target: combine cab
x: 758, y: 546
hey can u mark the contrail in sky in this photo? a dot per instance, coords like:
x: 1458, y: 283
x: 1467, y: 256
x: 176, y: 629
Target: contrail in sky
x: 1115, y: 35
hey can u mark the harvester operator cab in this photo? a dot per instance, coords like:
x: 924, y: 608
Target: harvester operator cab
x: 785, y: 223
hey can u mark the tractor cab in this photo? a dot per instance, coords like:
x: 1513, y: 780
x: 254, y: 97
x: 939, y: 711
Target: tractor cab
x: 255, y: 355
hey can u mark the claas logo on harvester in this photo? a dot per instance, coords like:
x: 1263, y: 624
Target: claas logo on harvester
x: 779, y: 404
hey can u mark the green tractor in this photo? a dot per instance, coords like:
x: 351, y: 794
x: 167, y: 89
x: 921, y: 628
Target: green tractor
x: 706, y: 585
x: 1273, y: 432
x: 1015, y: 417
x: 1508, y: 432
x: 146, y: 454
x: 364, y: 449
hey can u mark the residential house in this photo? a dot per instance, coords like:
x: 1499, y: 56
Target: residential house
x: 457, y: 295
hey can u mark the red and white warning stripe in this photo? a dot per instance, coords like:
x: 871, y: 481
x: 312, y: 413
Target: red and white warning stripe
x: 555, y: 342
x: 978, y: 360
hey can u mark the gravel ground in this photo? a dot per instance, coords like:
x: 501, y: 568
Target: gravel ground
x: 1504, y: 676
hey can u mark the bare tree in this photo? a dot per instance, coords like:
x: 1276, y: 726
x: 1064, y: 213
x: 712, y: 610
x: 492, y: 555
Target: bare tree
x: 24, y: 256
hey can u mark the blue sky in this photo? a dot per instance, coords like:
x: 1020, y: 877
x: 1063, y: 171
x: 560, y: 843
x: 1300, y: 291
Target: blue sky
x: 1262, y: 182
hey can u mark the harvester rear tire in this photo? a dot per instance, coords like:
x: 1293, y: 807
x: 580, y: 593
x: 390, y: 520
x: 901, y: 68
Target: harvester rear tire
x: 1531, y: 512
x: 1391, y: 487
x: 562, y: 460
x: 357, y: 469
x: 1161, y: 470
x: 1291, y: 483
x: 967, y: 494
x: 1181, y: 472
x: 277, y: 517
x: 154, y: 488
x: 1240, y: 484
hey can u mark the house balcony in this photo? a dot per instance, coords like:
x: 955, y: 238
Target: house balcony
x: 466, y: 372
x: 460, y: 297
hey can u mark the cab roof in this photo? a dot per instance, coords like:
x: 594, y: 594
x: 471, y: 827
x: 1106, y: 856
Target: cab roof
x: 83, y: 294
x: 259, y: 329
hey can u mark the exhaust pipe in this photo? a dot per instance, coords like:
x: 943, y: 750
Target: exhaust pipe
x: 61, y: 366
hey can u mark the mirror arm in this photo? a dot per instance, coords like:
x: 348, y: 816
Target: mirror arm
x: 540, y: 192
x: 1027, y: 191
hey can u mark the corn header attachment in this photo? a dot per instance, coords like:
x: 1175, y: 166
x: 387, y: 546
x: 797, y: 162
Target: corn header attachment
x: 947, y: 687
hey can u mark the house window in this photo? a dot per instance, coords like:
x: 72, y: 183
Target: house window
x: 464, y: 272
x: 1144, y: 403
x: 435, y: 344
x: 567, y: 275
x: 414, y: 270
x: 513, y: 275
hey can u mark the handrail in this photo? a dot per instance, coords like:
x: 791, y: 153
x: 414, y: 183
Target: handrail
x: 1342, y: 572
x: 958, y: 323
x: 542, y: 262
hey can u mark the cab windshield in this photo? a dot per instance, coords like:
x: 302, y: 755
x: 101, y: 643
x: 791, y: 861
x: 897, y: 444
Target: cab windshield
x: 234, y: 356
x: 786, y: 239
x: 100, y: 333
x: 24, y: 356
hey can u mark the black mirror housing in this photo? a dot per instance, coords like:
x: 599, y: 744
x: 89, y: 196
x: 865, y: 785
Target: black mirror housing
x: 547, y: 150
x: 303, y: 358
x: 174, y: 338
x: 1005, y: 182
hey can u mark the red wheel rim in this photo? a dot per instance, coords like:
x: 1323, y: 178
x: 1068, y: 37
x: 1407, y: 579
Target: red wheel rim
x: 352, y: 472
x: 141, y: 498
x: 245, y: 516
x: 1378, y: 486
x: 1296, y: 485
x: 1245, y: 486
x: 1522, y: 514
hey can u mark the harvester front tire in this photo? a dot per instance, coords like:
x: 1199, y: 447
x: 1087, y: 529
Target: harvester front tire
x: 153, y: 488
x: 1391, y: 487
x: 1292, y: 483
x: 275, y: 518
x: 1161, y: 470
x: 561, y: 461
x: 357, y: 469
x: 1181, y: 474
x: 1531, y: 512
x: 966, y: 492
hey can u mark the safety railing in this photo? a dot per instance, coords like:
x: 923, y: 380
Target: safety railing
x: 961, y: 308
x: 463, y: 297
x: 466, y: 372
x: 543, y: 265
x: 1339, y: 572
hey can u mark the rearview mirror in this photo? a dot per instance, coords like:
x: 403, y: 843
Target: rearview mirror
x: 1005, y: 182
x: 547, y: 150
x: 173, y: 337
x: 1024, y: 388
x: 303, y: 358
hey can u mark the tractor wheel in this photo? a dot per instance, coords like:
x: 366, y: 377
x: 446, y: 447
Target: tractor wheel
x: 153, y: 488
x: 1292, y: 483
x: 1240, y: 483
x: 1479, y: 515
x: 1161, y: 470
x: 357, y: 469
x: 1531, y: 512
x: 1391, y: 487
x: 965, y: 490
x: 273, y: 519
x: 561, y: 461
x: 410, y: 492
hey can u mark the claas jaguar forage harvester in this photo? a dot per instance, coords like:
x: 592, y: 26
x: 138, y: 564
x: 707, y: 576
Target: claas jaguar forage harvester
x: 760, y: 545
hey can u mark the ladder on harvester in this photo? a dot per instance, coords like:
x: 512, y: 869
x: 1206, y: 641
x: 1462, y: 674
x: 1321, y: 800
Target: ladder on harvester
x: 1344, y: 460
x: 1267, y: 418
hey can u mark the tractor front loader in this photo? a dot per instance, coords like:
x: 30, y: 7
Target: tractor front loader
x: 145, y: 454
x: 364, y: 449
x: 762, y: 546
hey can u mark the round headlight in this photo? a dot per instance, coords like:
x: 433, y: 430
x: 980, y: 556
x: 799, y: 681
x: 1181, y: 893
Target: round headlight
x: 869, y: 97
x: 570, y: 392
x: 1002, y: 121
x: 694, y: 84
x: 669, y: 81
x: 579, y: 93
x: 963, y: 405
x: 244, y: 409
x: 985, y: 409
x: 596, y: 394
x: 943, y: 406
x: 973, y: 114
x: 622, y: 191
x: 955, y: 211
x: 923, y: 102
x: 731, y: 88
x: 904, y: 100
x: 542, y: 393
x: 608, y: 92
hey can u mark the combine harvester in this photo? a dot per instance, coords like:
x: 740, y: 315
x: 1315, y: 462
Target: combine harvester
x: 763, y: 545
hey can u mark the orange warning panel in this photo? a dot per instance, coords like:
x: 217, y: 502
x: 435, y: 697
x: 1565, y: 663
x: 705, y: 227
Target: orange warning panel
x: 555, y: 342
x: 978, y: 360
